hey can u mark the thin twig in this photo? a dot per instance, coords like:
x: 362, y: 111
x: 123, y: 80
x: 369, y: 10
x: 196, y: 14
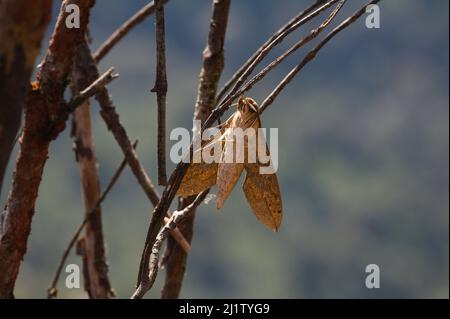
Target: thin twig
x: 111, y: 118
x: 91, y: 90
x: 84, y: 95
x: 160, y: 88
x: 272, y: 44
x: 311, y: 55
x: 175, y: 219
x: 312, y: 35
x: 52, y: 290
x: 123, y: 30
x: 275, y: 39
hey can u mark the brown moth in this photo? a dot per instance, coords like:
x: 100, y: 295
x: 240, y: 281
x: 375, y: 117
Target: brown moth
x: 261, y: 190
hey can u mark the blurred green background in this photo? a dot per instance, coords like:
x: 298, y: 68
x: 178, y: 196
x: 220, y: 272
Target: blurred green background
x: 363, y: 152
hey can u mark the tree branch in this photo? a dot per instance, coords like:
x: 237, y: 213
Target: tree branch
x: 175, y: 219
x: 124, y: 29
x: 43, y: 123
x: 312, y: 35
x: 271, y: 42
x: 213, y: 64
x: 96, y: 283
x: 91, y: 90
x: 265, y: 51
x: 160, y: 88
x: 312, y: 54
x: 111, y: 118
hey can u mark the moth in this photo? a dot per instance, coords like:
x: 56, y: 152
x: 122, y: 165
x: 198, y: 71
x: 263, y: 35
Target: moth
x: 261, y: 190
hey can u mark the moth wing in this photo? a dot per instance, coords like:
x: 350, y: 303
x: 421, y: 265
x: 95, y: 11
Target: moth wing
x: 262, y: 190
x: 198, y: 177
x: 227, y: 176
x: 201, y: 176
x: 228, y: 172
x: 263, y: 195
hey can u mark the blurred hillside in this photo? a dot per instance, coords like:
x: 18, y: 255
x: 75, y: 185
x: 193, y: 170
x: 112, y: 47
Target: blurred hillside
x: 363, y: 152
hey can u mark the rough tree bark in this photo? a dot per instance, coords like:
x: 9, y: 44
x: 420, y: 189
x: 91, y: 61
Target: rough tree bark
x: 22, y: 28
x: 97, y: 283
x: 213, y: 63
x: 45, y: 118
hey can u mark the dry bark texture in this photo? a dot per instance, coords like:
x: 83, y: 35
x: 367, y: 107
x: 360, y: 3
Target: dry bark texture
x: 45, y: 118
x: 22, y: 27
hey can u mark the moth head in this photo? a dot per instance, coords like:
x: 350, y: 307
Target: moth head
x: 247, y: 104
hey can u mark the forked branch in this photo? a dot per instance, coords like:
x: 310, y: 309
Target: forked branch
x: 175, y: 219
x: 91, y: 90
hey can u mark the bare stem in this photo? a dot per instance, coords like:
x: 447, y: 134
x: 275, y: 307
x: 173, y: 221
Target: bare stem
x: 311, y: 55
x: 91, y: 90
x: 123, y: 30
x: 160, y: 88
x: 296, y: 22
x: 312, y: 35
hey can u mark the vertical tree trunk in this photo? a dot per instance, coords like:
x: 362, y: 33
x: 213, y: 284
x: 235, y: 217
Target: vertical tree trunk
x: 213, y: 63
x: 45, y: 118
x: 22, y: 28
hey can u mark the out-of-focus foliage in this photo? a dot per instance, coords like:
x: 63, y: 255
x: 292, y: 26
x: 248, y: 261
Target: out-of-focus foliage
x: 364, y: 159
